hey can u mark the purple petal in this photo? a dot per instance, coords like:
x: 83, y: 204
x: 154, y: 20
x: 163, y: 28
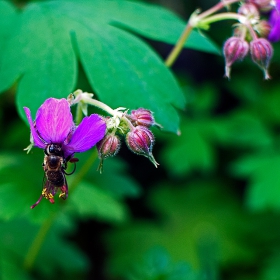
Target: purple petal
x: 91, y: 130
x: 274, y: 21
x: 37, y: 140
x: 54, y: 120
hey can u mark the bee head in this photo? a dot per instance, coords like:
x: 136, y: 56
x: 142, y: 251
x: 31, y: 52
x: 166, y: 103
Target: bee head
x: 54, y: 149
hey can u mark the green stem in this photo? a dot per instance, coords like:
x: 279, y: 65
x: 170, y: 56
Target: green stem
x: 39, y: 239
x: 216, y: 8
x: 79, y: 114
x: 102, y: 106
x: 109, y: 110
x: 86, y: 167
x: 37, y: 243
x: 222, y: 16
x: 195, y: 21
x: 179, y: 46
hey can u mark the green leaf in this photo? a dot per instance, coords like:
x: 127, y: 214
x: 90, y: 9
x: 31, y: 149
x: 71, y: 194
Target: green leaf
x: 189, y: 152
x: 240, y: 129
x: 115, y: 179
x: 262, y: 170
x: 204, y: 213
x: 156, y: 264
x: 8, y: 24
x: 55, y: 252
x: 18, y: 193
x: 130, y: 74
x: 157, y: 23
x: 271, y: 270
x: 7, y: 18
x: 121, y: 68
x: 90, y: 201
x: 11, y: 268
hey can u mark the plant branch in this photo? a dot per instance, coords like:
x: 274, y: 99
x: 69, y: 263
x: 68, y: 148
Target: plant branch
x: 39, y: 239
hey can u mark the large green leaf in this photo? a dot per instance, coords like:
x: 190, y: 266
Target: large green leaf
x: 121, y: 68
x: 157, y: 23
x: 191, y: 151
x: 262, y: 171
x: 18, y: 193
x: 55, y: 252
x: 202, y: 216
x: 90, y: 201
x: 7, y: 20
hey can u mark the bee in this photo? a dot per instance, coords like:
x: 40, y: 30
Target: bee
x: 54, y: 166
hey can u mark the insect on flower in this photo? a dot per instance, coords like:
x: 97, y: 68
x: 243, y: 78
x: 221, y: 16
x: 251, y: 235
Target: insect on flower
x: 54, y: 131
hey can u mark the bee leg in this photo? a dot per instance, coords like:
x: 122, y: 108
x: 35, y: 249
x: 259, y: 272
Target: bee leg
x: 73, y: 160
x: 64, y: 190
x: 38, y: 201
x: 72, y: 171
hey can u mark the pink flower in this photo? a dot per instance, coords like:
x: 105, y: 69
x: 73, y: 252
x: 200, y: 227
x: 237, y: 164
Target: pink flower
x: 54, y: 125
x: 54, y: 131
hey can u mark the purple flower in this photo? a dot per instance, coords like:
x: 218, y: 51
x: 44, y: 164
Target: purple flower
x: 54, y: 131
x: 274, y: 21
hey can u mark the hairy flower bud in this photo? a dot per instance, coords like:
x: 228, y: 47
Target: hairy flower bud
x: 261, y: 53
x: 263, y: 28
x: 249, y: 10
x: 142, y: 117
x: 107, y: 147
x: 140, y: 141
x: 235, y: 48
x: 263, y: 5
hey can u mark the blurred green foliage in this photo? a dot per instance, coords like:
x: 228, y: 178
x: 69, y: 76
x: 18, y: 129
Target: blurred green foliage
x: 211, y: 209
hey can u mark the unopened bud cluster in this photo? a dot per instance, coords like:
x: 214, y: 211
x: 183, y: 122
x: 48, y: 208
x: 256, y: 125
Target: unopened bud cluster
x: 135, y: 129
x: 250, y: 36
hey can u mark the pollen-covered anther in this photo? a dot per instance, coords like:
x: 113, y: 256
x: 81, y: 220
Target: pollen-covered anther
x: 140, y: 141
x: 62, y: 195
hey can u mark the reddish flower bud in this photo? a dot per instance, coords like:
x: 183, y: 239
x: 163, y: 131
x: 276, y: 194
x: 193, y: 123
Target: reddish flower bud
x: 261, y: 53
x: 249, y: 10
x: 234, y: 49
x: 263, y: 5
x: 107, y: 147
x: 140, y: 141
x: 142, y: 116
x: 263, y: 28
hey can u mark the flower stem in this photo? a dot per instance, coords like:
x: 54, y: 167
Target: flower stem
x: 179, y: 46
x: 221, y: 16
x: 85, y: 168
x: 216, y: 8
x: 102, y: 106
x: 39, y: 239
x: 195, y: 21
x: 79, y: 114
x: 37, y: 243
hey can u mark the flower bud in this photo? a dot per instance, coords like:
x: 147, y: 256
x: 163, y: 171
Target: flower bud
x: 263, y: 5
x: 263, y: 28
x: 234, y: 49
x: 142, y: 117
x: 249, y: 10
x: 107, y: 147
x: 261, y: 53
x: 140, y: 141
